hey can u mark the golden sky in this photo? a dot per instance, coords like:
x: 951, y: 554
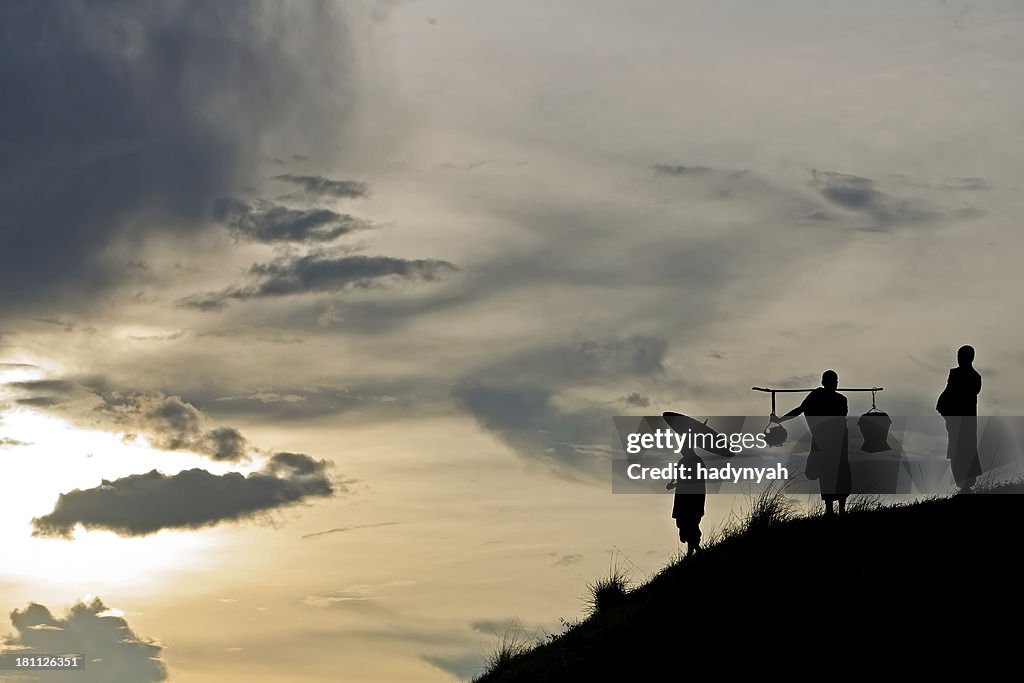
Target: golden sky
x: 315, y: 315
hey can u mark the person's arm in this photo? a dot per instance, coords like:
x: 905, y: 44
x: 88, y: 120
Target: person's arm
x: 675, y: 482
x: 942, y: 405
x: 799, y: 410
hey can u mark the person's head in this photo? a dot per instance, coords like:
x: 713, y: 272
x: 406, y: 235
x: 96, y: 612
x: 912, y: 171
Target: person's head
x: 829, y: 379
x: 965, y: 356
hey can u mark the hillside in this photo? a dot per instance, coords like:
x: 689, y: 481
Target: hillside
x: 920, y: 584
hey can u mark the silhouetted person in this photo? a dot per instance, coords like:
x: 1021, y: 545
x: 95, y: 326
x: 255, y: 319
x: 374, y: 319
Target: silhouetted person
x: 958, y: 404
x: 688, y: 506
x: 828, y: 461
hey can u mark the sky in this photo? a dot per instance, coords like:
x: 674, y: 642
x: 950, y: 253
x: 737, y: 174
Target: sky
x: 315, y: 314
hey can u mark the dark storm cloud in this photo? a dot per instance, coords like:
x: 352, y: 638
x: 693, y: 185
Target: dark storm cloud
x: 321, y: 272
x: 319, y: 186
x: 143, y: 504
x: 114, y: 652
x: 168, y: 422
x: 263, y: 221
x: 126, y: 118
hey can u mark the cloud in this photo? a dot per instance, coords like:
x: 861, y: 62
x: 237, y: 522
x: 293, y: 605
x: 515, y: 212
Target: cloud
x: 343, y: 529
x: 358, y: 600
x: 339, y: 599
x: 7, y: 442
x: 467, y: 664
x: 143, y: 504
x: 677, y: 169
x: 113, y: 651
x: 584, y: 361
x: 292, y: 403
x: 797, y: 381
x: 637, y: 400
x: 363, y: 597
x: 320, y: 272
x: 849, y: 200
x: 883, y: 210
x: 966, y: 183
x: 463, y: 667
x: 530, y: 421
x: 564, y: 560
x: 263, y: 221
x: 519, y: 399
x: 500, y: 627
x: 58, y: 387
x: 133, y: 117
x: 169, y: 422
x: 320, y: 186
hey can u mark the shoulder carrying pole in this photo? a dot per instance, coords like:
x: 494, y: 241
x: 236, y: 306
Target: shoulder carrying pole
x: 773, y: 391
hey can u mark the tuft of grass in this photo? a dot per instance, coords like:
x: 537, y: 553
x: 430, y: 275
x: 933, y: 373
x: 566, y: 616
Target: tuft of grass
x: 514, y: 642
x: 771, y: 508
x: 862, y: 502
x: 610, y: 591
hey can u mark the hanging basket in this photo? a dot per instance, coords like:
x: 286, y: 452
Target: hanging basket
x: 775, y: 436
x: 874, y: 427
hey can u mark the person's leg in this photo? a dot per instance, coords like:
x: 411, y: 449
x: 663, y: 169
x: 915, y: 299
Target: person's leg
x: 962, y: 451
x: 829, y: 511
x: 842, y: 505
x: 693, y: 543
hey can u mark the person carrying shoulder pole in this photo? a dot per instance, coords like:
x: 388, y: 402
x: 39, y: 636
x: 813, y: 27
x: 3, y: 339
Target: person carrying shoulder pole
x: 828, y: 460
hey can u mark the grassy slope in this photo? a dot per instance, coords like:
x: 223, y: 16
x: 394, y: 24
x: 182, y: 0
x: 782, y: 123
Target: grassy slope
x: 924, y: 582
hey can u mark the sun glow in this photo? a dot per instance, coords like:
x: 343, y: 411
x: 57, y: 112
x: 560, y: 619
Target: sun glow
x: 43, y: 456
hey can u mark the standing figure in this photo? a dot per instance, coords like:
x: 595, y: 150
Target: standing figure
x: 828, y: 461
x: 958, y: 404
x: 688, y: 503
